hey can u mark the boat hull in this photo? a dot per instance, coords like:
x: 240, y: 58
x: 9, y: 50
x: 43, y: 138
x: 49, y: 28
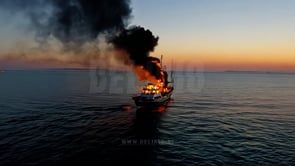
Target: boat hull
x: 152, y: 103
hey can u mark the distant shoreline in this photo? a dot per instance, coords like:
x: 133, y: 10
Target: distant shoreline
x: 84, y: 69
x: 259, y: 72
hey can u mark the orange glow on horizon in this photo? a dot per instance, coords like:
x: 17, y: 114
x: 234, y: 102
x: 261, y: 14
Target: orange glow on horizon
x: 221, y: 60
x: 208, y: 60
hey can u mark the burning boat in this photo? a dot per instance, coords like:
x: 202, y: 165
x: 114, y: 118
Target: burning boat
x: 157, y: 93
x: 153, y: 95
x: 134, y: 46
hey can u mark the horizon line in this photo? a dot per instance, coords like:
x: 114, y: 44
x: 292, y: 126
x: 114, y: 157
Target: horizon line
x: 195, y: 71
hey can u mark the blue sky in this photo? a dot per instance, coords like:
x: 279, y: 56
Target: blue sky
x: 186, y: 19
x: 212, y: 30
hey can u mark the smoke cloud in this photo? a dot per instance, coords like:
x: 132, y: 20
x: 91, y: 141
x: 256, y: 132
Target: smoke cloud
x: 139, y: 42
x: 78, y: 23
x: 72, y: 22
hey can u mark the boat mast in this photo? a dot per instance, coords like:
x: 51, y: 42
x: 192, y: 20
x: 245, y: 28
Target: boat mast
x: 172, y: 73
x: 161, y: 60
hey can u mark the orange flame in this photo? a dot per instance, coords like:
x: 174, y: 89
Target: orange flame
x: 154, y: 88
x: 144, y: 75
x: 157, y: 85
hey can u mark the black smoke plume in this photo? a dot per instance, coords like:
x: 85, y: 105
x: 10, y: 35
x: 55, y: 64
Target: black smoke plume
x: 73, y: 22
x: 139, y: 42
x: 77, y: 22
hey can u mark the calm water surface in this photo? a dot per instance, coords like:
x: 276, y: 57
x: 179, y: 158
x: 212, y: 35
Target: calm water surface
x: 80, y: 117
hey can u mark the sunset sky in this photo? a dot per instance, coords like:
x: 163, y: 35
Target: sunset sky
x: 215, y: 35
